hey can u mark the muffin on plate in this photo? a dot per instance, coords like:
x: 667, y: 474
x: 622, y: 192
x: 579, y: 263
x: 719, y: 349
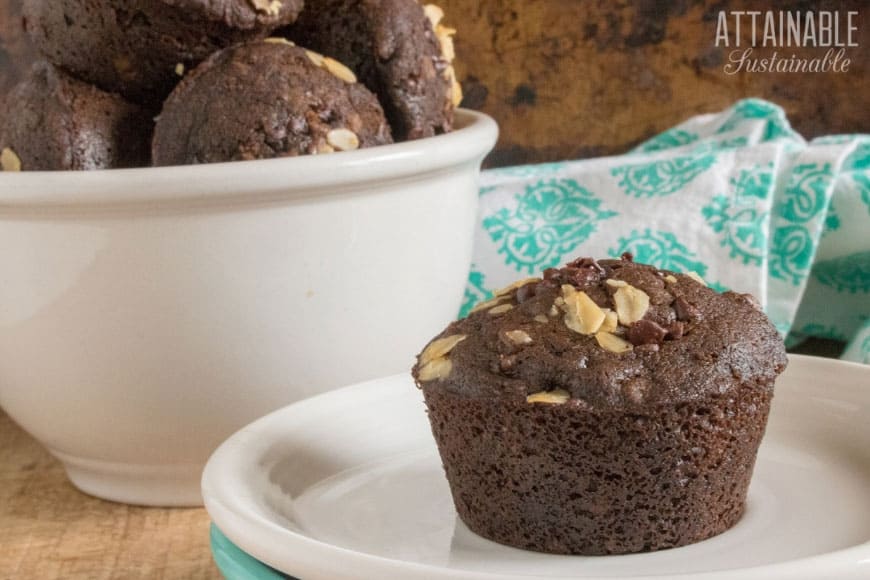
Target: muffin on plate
x: 266, y: 99
x: 140, y: 48
x: 55, y: 122
x: 607, y: 408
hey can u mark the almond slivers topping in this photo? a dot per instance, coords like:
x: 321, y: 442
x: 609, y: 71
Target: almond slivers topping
x: 440, y: 347
x: 438, y: 368
x: 631, y: 304
x: 582, y: 315
x: 556, y: 396
x: 613, y: 343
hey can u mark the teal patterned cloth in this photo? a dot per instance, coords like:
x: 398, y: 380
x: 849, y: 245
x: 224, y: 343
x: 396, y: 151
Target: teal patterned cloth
x: 737, y: 197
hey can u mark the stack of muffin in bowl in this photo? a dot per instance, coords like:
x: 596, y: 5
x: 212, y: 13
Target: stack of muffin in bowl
x: 171, y: 82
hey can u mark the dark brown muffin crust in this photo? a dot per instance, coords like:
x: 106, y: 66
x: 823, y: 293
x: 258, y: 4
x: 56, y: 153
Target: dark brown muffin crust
x: 266, y: 99
x: 140, y: 48
x: 393, y: 48
x: 564, y: 441
x: 698, y: 341
x: 55, y: 122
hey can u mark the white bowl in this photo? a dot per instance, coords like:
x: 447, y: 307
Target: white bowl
x: 147, y: 314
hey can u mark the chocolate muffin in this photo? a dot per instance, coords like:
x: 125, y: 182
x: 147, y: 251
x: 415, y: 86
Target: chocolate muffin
x: 266, y: 99
x: 141, y: 47
x: 398, y: 49
x: 608, y: 408
x: 55, y: 122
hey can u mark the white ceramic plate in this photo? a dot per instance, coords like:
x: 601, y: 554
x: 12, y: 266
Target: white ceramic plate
x: 348, y: 485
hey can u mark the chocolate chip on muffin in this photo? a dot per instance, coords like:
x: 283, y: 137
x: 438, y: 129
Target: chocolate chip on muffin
x: 400, y: 50
x: 608, y: 407
x: 55, y: 122
x: 135, y: 47
x: 266, y: 99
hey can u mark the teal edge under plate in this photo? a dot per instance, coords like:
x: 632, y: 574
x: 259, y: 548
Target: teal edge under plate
x: 235, y: 564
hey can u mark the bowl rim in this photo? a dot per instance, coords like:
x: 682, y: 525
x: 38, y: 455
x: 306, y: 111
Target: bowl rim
x: 257, y: 180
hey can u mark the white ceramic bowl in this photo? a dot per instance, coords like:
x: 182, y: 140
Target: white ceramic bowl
x: 147, y: 314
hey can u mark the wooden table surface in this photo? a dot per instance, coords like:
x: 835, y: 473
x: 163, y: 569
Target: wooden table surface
x: 48, y: 529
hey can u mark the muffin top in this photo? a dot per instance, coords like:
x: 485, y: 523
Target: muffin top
x: 266, y: 99
x: 243, y: 14
x: 609, y: 334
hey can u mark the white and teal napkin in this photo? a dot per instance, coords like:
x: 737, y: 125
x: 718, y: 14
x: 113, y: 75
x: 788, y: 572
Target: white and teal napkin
x: 738, y: 197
